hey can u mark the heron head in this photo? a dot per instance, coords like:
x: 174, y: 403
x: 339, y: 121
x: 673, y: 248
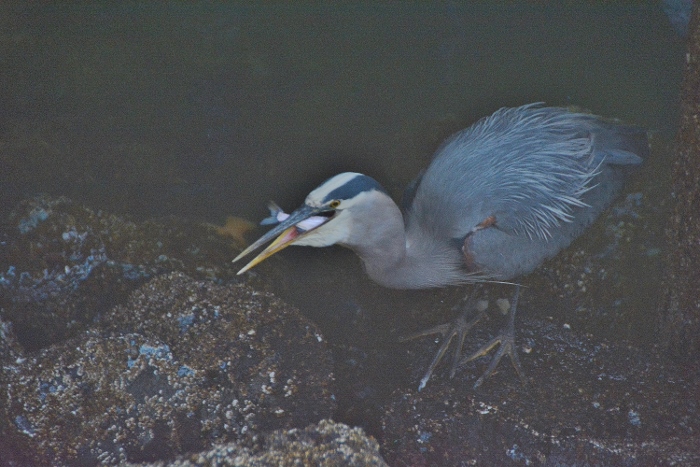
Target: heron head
x: 326, y: 217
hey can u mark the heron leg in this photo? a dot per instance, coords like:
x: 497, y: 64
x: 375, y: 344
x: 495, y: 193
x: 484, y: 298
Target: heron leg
x: 506, y: 339
x: 456, y: 329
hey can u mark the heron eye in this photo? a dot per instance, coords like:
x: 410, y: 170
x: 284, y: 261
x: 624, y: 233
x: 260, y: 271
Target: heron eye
x: 334, y: 204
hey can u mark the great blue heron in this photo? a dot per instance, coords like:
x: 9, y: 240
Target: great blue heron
x: 498, y: 199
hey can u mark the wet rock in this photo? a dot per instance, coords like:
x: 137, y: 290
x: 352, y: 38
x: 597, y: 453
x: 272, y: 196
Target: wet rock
x: 183, y: 365
x: 10, y: 350
x: 237, y: 336
x: 62, y: 264
x: 48, y: 251
x: 325, y: 444
x: 10, y: 354
x: 607, y: 282
x: 588, y: 402
x: 680, y: 309
x: 98, y: 400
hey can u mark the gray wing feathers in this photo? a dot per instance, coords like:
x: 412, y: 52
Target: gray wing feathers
x: 528, y: 166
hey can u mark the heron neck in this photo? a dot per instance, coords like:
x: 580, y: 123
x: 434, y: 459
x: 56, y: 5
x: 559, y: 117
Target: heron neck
x: 399, y: 259
x: 382, y: 248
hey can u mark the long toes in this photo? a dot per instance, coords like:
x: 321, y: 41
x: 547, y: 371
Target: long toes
x: 457, y: 328
x: 436, y: 360
x: 483, y: 351
x: 516, y: 364
x: 457, y: 352
x: 507, y: 347
x: 440, y: 329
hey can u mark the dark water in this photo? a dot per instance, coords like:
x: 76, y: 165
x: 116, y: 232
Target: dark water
x: 207, y: 110
x: 212, y: 109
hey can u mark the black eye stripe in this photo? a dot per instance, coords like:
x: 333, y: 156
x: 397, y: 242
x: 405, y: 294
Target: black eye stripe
x: 354, y: 187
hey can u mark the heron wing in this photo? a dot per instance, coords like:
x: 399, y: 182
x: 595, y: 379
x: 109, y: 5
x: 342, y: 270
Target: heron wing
x: 529, y: 167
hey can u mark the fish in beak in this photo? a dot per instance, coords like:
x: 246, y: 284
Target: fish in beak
x: 290, y: 229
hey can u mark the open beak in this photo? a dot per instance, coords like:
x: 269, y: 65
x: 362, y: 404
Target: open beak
x: 287, y: 233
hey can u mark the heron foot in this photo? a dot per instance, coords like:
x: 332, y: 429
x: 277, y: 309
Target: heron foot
x: 506, y: 339
x: 456, y: 329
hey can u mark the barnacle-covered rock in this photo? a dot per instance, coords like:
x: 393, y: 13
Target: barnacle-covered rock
x: 49, y: 250
x: 62, y: 264
x: 10, y: 354
x: 98, y: 400
x: 10, y: 350
x: 589, y: 402
x: 249, y: 344
x: 326, y: 444
x: 206, y: 364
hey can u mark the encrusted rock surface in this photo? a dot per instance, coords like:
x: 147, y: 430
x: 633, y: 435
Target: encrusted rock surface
x: 588, y: 402
x: 182, y: 365
x: 249, y: 343
x: 680, y: 309
x: 63, y: 264
x: 326, y: 444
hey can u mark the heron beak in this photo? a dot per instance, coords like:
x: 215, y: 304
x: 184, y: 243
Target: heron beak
x: 287, y: 233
